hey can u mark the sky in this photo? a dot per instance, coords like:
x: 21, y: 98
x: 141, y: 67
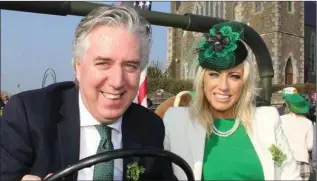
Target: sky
x: 31, y: 43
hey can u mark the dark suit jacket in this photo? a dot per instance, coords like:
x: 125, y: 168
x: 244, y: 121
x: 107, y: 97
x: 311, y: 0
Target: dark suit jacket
x: 40, y: 131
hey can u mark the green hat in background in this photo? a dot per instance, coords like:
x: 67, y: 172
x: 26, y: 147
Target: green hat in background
x: 295, y: 102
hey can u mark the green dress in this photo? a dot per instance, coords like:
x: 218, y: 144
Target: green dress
x: 232, y: 157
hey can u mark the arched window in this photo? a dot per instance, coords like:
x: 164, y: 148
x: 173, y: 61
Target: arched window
x: 211, y: 6
x: 217, y: 10
x: 178, y: 4
x: 207, y: 8
x: 290, y: 7
x: 204, y: 8
x: 289, y: 72
x: 221, y: 9
x: 257, y: 6
x: 313, y: 52
x: 199, y: 9
x: 196, y: 9
x: 236, y: 11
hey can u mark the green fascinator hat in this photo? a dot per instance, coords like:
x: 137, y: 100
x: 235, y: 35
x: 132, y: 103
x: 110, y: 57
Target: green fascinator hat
x: 222, y: 47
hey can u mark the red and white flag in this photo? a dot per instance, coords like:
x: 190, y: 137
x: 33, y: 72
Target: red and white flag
x: 142, y: 92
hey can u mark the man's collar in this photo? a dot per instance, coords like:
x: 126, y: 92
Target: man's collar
x: 86, y: 119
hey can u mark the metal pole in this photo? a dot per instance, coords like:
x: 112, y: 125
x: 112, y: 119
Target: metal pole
x: 187, y: 22
x: 78, y: 8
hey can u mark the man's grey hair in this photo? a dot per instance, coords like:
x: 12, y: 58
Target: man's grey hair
x: 114, y: 16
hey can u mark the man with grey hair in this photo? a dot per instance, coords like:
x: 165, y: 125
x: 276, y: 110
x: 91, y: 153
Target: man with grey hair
x: 45, y: 130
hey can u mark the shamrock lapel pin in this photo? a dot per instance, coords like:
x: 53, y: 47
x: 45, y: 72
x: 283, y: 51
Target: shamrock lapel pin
x: 277, y: 155
x: 134, y: 171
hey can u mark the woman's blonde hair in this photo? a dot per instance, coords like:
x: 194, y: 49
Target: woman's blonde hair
x: 244, y: 108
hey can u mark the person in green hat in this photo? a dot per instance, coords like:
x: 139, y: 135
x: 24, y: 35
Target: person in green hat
x: 222, y: 134
x: 297, y: 104
x: 298, y: 129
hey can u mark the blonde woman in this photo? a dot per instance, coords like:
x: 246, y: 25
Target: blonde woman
x: 222, y: 135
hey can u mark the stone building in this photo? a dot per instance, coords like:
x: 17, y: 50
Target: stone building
x: 280, y: 24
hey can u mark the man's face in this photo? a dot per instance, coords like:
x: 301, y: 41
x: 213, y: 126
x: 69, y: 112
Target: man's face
x: 109, y: 72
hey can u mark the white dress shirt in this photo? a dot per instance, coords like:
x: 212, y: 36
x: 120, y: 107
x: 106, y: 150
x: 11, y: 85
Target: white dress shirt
x: 89, y: 142
x: 299, y: 132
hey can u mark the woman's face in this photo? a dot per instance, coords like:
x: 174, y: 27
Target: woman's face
x: 223, y: 89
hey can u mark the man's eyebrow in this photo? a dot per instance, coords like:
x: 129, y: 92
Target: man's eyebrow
x: 102, y: 58
x: 133, y: 61
x: 109, y: 59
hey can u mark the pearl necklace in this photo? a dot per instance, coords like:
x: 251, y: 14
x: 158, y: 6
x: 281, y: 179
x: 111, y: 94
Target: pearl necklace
x: 227, y: 133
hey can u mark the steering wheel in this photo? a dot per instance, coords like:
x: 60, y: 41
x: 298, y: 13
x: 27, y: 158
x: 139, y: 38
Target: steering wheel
x: 123, y: 153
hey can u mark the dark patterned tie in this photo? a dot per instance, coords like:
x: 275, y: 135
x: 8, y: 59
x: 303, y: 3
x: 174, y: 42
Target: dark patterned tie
x: 104, y: 170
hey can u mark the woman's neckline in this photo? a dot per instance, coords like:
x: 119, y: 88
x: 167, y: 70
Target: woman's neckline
x: 221, y: 119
